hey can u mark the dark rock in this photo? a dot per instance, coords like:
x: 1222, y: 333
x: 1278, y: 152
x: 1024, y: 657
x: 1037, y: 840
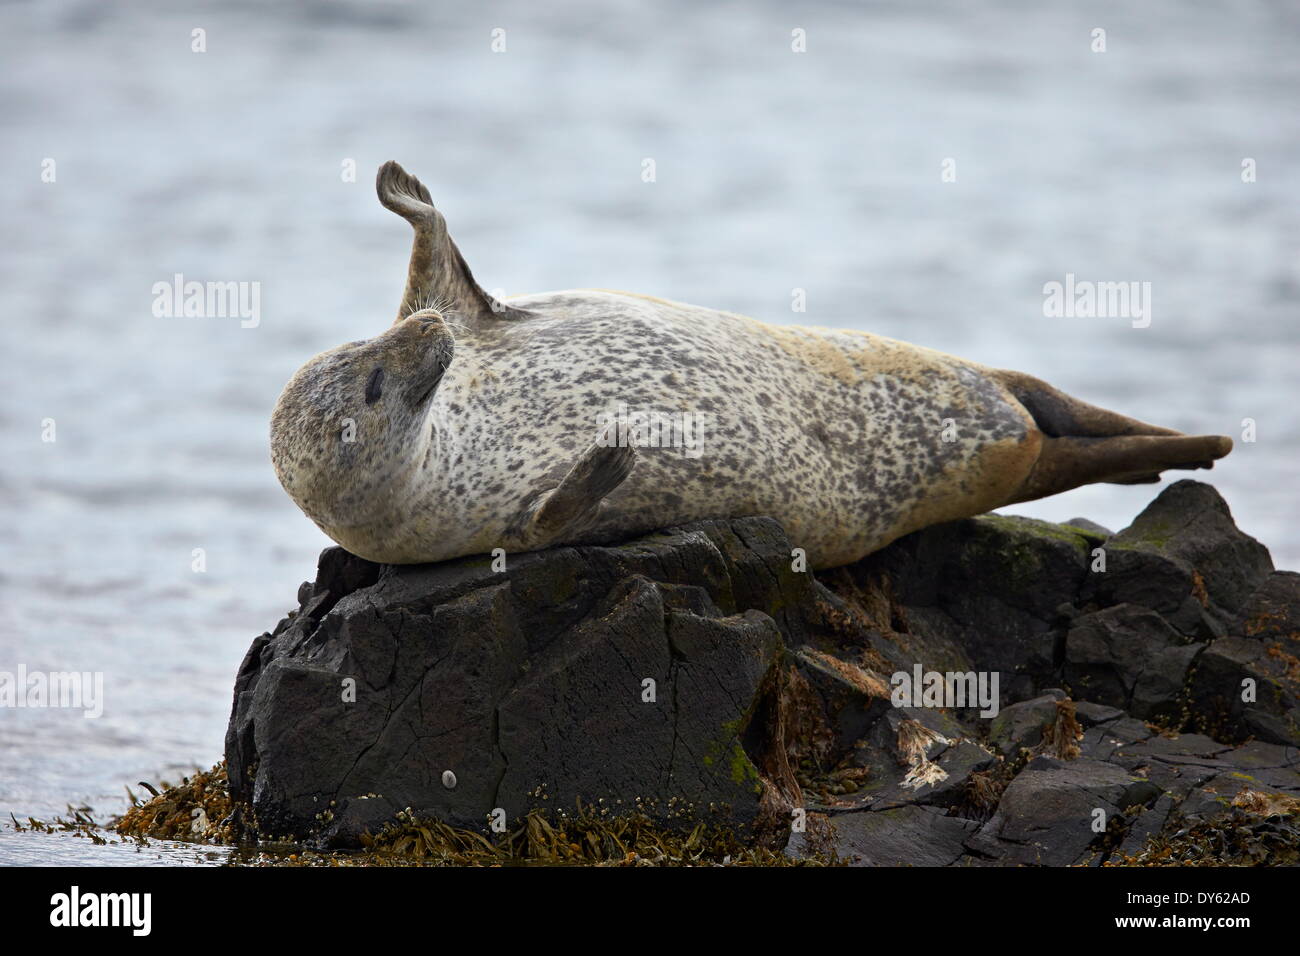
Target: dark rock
x: 1020, y: 726
x: 1128, y: 657
x: 1091, y: 714
x: 1102, y: 741
x: 993, y: 589
x: 1184, y: 558
x: 852, y: 698
x: 1273, y: 612
x: 1148, y: 824
x: 1120, y: 690
x: 1048, y: 813
x: 903, y: 836
x: 1233, y: 669
x: 1003, y: 587
x: 955, y: 762
x: 1176, y: 765
x: 1210, y: 800
x: 528, y: 685
x: 1090, y: 529
x: 896, y: 775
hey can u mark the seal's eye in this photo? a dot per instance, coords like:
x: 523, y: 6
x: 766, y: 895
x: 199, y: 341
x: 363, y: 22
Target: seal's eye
x: 375, y: 386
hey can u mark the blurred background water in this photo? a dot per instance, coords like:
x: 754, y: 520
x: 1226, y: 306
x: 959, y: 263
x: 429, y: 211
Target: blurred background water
x: 775, y: 170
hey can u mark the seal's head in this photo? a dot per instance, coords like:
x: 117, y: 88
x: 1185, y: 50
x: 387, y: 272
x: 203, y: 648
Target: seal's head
x: 350, y: 430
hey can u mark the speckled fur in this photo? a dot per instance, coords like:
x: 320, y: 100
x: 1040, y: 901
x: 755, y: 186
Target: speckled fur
x: 838, y: 434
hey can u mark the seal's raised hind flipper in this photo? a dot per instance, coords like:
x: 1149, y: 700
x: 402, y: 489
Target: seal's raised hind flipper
x: 576, y: 499
x: 437, y: 276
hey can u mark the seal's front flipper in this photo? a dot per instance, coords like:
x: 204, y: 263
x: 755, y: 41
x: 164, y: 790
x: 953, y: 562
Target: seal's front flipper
x: 437, y: 277
x: 576, y: 499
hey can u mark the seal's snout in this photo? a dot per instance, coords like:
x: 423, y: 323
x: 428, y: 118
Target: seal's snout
x: 426, y: 320
x: 425, y: 345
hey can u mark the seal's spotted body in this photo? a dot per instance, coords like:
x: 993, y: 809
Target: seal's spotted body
x: 484, y: 430
x: 842, y: 459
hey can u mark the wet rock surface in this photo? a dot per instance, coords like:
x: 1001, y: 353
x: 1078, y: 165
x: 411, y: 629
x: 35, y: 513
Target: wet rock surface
x: 1147, y: 684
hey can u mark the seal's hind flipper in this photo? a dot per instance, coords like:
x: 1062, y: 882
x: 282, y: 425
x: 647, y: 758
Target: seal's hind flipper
x: 576, y: 499
x: 1065, y: 463
x: 1059, y: 415
x: 1083, y: 444
x: 437, y: 276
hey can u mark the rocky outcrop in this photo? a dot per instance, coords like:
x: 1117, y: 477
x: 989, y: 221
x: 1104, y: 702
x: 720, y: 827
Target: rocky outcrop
x: 1145, y: 682
x: 630, y: 674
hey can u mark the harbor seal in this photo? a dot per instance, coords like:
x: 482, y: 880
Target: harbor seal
x: 591, y: 416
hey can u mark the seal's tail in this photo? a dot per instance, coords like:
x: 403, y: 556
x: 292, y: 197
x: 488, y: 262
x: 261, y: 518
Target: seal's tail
x: 1084, y: 444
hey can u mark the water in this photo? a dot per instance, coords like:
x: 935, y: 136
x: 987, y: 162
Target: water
x: 775, y: 171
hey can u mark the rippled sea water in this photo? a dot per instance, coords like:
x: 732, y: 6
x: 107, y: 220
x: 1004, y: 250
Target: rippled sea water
x: 775, y: 170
